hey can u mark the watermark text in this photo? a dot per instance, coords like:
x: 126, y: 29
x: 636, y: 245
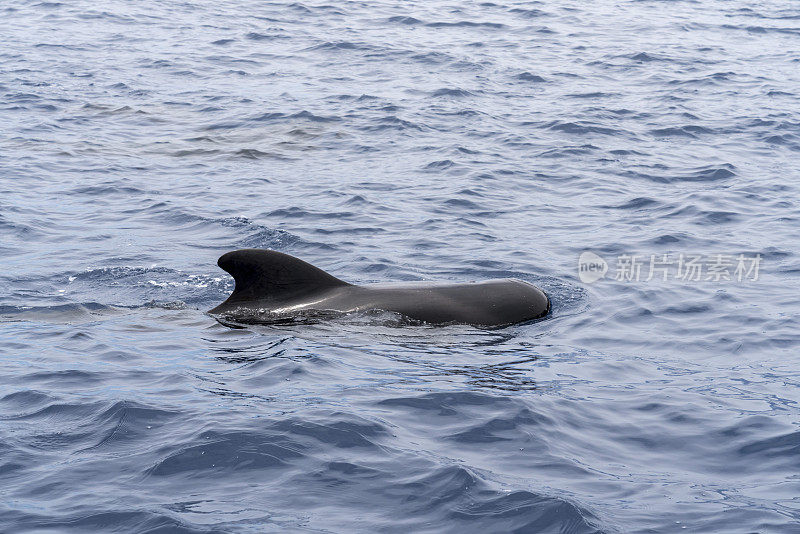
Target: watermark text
x: 678, y: 266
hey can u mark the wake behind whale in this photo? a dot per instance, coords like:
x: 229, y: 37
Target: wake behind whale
x: 272, y: 287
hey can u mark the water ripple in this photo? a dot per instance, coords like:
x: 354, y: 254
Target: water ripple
x: 397, y: 142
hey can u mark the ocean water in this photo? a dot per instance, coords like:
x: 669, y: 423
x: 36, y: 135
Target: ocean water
x: 399, y: 141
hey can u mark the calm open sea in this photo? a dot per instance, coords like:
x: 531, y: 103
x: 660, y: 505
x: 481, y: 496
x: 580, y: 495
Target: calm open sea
x: 399, y: 141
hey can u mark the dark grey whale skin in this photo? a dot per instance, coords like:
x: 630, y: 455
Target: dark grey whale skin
x: 272, y: 286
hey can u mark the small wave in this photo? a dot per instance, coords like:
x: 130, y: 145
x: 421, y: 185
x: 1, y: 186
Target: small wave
x: 195, y: 152
x: 439, y: 165
x: 338, y: 430
x: 304, y: 114
x: 700, y: 174
x: 781, y: 449
x: 528, y: 13
x: 668, y: 240
x: 460, y: 203
x: 644, y: 57
x: 625, y: 152
x: 108, y: 189
x: 332, y: 46
x: 690, y: 131
x: 61, y: 412
x: 117, y: 273
x: 466, y: 24
x: 501, y: 428
x: 19, y: 230
x: 307, y: 115
x: 716, y: 217
x: 528, y: 77
x: 596, y: 94
x: 123, y: 519
x: 127, y: 424
x: 447, y: 403
x: 433, y: 58
x: 65, y: 378
x: 580, y: 128
x: 71, y: 48
x: 275, y: 447
x: 446, y: 91
x: 21, y: 97
x: 788, y: 140
x: 717, y: 78
x: 409, y: 21
x: 254, y: 36
x: 26, y: 399
x: 220, y: 452
x: 762, y: 29
x: 56, y: 313
x: 393, y: 122
x: 635, y: 204
x: 524, y: 511
x: 263, y: 237
x: 252, y: 153
x: 294, y: 212
x: 568, y: 151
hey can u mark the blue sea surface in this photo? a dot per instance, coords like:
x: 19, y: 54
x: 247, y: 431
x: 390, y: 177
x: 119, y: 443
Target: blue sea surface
x: 399, y: 141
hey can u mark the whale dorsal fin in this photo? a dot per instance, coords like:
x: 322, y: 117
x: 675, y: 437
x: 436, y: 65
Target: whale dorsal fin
x: 269, y: 275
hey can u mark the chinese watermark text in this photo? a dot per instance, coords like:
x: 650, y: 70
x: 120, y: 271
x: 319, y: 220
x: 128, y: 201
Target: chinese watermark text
x: 664, y: 267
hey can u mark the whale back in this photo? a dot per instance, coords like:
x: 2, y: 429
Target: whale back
x: 267, y: 275
x: 273, y: 287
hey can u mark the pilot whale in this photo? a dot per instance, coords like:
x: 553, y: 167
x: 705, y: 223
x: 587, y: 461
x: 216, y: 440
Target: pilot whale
x: 272, y: 287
